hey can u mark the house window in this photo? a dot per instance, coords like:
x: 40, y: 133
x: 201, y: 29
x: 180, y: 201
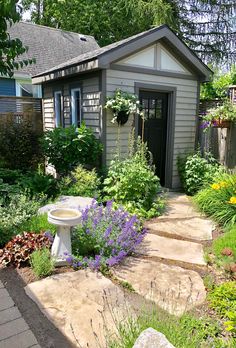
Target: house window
x: 76, y: 116
x: 58, y: 108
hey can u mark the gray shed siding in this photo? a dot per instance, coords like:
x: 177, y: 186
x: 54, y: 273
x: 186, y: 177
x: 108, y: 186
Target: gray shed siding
x: 91, y: 101
x: 186, y: 111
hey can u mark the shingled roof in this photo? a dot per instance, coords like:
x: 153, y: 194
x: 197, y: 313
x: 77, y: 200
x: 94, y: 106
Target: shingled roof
x: 49, y: 46
x: 104, y: 56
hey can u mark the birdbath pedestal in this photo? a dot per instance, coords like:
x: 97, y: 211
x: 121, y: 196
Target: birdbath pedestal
x: 64, y: 219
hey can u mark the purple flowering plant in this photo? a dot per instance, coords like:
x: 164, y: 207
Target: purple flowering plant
x: 105, y: 237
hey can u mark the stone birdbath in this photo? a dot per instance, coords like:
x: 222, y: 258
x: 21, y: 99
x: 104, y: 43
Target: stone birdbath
x: 64, y: 219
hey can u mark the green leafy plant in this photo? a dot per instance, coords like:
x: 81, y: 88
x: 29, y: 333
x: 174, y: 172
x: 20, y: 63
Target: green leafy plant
x: 218, y: 87
x: 38, y: 182
x: 123, y: 102
x: 42, y: 263
x: 223, y: 299
x: 37, y: 224
x: 18, y: 250
x: 219, y: 199
x: 15, y: 212
x: 65, y: 148
x: 80, y: 182
x: 196, y: 171
x: 19, y: 145
x: 132, y: 183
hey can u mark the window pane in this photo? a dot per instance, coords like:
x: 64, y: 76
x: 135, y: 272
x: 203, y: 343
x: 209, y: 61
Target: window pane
x: 158, y: 108
x: 75, y: 107
x: 58, y: 109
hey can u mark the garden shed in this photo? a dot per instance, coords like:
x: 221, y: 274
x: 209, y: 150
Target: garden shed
x: 158, y: 67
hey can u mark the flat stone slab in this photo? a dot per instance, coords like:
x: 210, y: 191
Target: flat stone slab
x: 193, y: 228
x: 79, y: 304
x: 73, y: 202
x: 172, y: 288
x: 151, y: 338
x: 172, y: 249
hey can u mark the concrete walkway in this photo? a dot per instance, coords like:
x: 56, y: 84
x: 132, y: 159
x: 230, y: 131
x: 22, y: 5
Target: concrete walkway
x: 14, y: 332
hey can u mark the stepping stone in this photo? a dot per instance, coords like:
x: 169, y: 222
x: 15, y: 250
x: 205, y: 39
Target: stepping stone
x: 193, y: 228
x: 172, y: 288
x: 79, y: 304
x: 172, y: 249
x: 73, y: 202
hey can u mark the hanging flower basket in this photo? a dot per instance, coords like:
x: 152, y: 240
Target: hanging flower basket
x: 122, y: 117
x: 221, y: 123
x: 123, y: 104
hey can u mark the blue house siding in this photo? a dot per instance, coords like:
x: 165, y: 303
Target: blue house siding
x: 7, y: 87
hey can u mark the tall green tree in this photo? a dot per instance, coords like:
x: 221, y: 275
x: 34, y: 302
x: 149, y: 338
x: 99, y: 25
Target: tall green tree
x: 207, y: 26
x: 10, y: 49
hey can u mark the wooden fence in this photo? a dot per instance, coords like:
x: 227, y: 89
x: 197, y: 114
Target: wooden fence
x: 220, y: 141
x: 21, y: 109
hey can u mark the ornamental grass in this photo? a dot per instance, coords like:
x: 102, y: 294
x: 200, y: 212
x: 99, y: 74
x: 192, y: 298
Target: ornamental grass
x: 219, y: 199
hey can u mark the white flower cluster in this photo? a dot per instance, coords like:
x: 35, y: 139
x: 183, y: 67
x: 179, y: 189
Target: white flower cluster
x: 123, y: 101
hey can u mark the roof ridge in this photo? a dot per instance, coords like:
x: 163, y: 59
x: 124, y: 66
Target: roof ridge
x: 56, y: 29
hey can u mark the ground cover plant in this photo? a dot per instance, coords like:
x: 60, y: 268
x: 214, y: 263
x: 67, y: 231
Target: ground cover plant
x: 65, y: 148
x: 187, y: 331
x: 42, y: 263
x: 37, y: 223
x: 197, y: 170
x: 14, y: 212
x: 132, y: 183
x: 105, y: 237
x: 218, y: 200
x: 223, y: 299
x: 18, y: 250
x: 81, y: 182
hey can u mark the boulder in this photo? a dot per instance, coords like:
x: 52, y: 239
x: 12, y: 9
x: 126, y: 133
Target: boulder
x: 151, y: 338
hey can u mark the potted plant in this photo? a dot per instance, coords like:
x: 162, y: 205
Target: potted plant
x: 122, y: 104
x: 221, y: 116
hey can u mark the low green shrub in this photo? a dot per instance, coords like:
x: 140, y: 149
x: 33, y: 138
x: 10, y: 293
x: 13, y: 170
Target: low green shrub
x: 65, y: 148
x: 219, y: 199
x: 223, y: 299
x: 16, y: 212
x: 19, y: 145
x: 132, y: 183
x: 38, y: 182
x: 185, y: 332
x: 80, y: 182
x: 42, y: 263
x: 196, y: 171
x: 37, y: 224
x: 10, y: 176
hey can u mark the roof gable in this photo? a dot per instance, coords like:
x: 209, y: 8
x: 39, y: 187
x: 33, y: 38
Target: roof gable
x: 106, y: 56
x: 155, y: 57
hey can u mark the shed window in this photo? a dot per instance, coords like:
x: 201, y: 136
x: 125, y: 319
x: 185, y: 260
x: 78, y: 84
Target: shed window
x: 76, y: 107
x: 58, y: 108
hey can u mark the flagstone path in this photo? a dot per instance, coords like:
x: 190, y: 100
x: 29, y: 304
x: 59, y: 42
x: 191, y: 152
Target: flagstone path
x: 86, y: 306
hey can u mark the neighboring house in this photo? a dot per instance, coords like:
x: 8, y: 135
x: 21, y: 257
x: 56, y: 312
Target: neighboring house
x: 157, y: 66
x: 49, y: 47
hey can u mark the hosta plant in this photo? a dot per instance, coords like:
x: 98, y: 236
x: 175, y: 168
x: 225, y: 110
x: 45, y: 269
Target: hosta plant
x: 17, y: 252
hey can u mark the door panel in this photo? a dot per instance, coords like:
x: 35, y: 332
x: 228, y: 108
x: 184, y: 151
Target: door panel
x: 155, y: 127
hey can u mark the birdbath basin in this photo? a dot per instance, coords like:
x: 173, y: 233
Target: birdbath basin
x: 64, y: 219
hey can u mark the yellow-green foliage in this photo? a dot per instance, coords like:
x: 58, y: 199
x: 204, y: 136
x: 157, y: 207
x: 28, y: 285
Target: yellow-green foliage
x: 42, y: 263
x: 81, y: 182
